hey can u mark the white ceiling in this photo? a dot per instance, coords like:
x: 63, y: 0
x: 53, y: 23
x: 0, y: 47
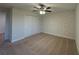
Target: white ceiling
x: 29, y: 6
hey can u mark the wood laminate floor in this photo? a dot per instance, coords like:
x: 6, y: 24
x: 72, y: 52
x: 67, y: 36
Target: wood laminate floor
x: 42, y: 44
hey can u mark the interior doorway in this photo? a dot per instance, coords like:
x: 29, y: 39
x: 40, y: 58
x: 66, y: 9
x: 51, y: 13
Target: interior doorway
x: 5, y: 25
x: 2, y: 25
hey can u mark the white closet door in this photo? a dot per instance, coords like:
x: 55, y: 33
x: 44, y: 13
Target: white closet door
x: 31, y: 25
x: 27, y: 25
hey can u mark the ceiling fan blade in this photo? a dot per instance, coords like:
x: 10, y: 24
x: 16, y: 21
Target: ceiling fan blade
x: 48, y: 10
x: 42, y: 5
x: 36, y: 7
x: 35, y: 10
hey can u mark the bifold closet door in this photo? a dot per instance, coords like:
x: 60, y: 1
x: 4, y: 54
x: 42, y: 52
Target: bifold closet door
x: 31, y: 25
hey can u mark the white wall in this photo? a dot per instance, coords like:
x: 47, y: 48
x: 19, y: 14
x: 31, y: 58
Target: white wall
x: 23, y: 24
x: 60, y: 24
x: 77, y: 27
x: 2, y: 21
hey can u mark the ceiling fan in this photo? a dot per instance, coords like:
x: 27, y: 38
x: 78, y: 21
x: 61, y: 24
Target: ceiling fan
x: 42, y: 9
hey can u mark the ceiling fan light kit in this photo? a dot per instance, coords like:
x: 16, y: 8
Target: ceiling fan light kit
x: 42, y: 12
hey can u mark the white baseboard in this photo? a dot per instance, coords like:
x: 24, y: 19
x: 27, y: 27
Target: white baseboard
x: 38, y: 33
x: 60, y: 36
x: 21, y: 38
